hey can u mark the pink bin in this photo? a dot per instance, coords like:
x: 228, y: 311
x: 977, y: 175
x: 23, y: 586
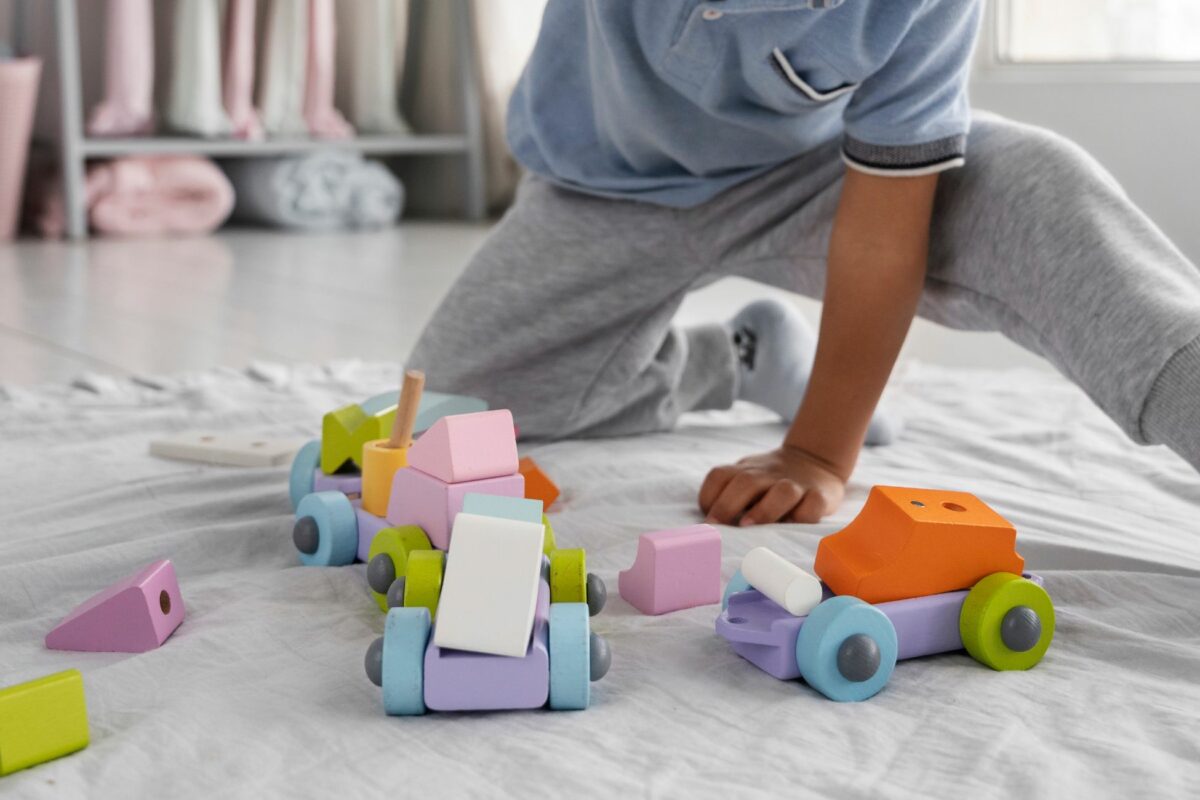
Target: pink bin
x: 18, y: 97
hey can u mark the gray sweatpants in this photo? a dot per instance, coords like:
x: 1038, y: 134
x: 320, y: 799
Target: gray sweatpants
x: 564, y: 315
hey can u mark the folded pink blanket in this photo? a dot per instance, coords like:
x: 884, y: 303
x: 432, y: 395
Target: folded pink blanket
x: 147, y: 196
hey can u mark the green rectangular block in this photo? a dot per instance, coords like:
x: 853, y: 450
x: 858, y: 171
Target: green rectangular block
x: 42, y: 720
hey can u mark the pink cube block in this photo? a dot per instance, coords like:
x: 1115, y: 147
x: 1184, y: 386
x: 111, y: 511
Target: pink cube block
x: 467, y: 447
x: 431, y: 503
x: 674, y: 569
x: 131, y: 616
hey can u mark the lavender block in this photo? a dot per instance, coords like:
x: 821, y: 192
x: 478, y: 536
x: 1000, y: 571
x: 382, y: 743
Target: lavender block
x: 368, y: 526
x: 456, y: 680
x: 348, y: 483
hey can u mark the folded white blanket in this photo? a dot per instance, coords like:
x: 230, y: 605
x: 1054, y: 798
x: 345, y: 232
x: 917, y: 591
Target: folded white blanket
x: 326, y: 190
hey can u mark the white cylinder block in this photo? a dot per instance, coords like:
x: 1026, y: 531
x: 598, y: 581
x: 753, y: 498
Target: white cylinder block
x: 782, y: 581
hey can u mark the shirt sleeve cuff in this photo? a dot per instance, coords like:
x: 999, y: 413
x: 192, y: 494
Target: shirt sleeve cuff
x: 905, y: 160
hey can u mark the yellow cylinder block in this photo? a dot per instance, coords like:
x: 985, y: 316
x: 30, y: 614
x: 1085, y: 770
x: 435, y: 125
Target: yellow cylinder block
x: 380, y: 463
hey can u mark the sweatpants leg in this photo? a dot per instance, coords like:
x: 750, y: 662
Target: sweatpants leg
x: 563, y: 317
x: 1034, y: 239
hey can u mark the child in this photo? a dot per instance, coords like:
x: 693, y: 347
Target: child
x: 824, y: 147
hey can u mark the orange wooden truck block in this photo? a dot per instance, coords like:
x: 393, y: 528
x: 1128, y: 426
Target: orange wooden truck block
x: 538, y: 485
x: 916, y: 542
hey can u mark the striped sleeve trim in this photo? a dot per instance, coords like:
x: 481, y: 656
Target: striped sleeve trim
x: 916, y: 159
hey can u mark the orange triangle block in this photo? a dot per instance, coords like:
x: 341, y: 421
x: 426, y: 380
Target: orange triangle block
x: 917, y: 542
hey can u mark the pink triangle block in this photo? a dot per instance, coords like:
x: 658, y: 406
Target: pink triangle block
x: 131, y: 616
x: 674, y: 570
x: 467, y: 447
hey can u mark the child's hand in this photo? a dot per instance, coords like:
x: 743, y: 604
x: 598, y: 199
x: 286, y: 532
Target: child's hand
x: 786, y: 485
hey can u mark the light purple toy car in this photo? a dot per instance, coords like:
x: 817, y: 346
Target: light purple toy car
x: 846, y: 649
x: 562, y: 660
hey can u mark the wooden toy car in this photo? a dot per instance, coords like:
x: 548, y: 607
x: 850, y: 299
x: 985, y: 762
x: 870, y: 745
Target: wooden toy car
x: 563, y: 658
x: 846, y: 647
x: 332, y: 527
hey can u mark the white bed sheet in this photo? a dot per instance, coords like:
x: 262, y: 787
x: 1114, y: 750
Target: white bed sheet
x: 261, y: 691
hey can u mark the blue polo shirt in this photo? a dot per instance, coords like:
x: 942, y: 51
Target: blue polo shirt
x: 673, y: 101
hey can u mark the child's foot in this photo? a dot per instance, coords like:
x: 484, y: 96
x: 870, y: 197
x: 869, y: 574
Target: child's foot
x: 775, y: 347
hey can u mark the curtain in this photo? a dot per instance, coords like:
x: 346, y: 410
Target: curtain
x: 504, y: 33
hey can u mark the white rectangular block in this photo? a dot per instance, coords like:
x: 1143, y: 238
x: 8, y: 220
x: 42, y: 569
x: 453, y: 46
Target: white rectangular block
x: 234, y: 450
x: 489, y: 592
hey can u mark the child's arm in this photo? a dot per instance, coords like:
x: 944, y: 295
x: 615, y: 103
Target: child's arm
x: 875, y: 275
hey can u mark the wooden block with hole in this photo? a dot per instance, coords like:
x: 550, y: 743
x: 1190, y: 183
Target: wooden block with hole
x: 917, y: 542
x: 131, y: 616
x: 538, y: 485
x: 225, y: 449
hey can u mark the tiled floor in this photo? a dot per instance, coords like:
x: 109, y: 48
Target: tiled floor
x: 145, y: 307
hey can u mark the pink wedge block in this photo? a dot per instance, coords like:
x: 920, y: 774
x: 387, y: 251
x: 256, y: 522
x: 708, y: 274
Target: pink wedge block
x: 131, y: 616
x: 674, y: 570
x: 467, y: 447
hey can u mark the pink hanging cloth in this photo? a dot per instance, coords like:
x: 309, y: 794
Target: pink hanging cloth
x: 127, y: 108
x: 324, y: 121
x: 239, y: 69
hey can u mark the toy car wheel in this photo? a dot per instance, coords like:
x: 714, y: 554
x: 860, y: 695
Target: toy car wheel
x: 1007, y: 622
x: 402, y: 669
x: 423, y: 581
x: 304, y: 465
x: 568, y: 576
x: 597, y: 594
x: 736, y: 584
x: 846, y: 649
x: 326, y: 530
x: 570, y: 657
x: 388, y: 557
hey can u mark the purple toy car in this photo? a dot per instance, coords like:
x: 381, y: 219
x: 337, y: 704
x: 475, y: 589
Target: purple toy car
x: 562, y: 660
x: 846, y: 648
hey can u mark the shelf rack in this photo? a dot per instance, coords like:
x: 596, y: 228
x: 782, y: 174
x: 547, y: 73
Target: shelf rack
x: 75, y: 147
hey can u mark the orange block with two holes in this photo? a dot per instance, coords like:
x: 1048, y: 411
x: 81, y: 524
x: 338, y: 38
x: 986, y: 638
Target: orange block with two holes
x: 917, y: 542
x: 538, y: 485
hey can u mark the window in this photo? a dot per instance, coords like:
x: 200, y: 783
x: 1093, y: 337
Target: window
x: 1090, y: 31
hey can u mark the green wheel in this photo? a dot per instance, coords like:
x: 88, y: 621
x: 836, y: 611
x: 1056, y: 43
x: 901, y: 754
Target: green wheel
x: 1007, y: 622
x: 568, y: 576
x: 423, y: 583
x: 387, y: 559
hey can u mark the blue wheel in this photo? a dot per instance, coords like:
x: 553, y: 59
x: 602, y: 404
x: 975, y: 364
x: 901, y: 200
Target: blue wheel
x: 326, y: 530
x: 300, y: 481
x: 846, y: 649
x: 736, y: 584
x: 570, y: 657
x: 405, y: 636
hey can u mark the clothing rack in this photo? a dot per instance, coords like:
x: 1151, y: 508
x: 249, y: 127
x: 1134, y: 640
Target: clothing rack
x: 76, y: 147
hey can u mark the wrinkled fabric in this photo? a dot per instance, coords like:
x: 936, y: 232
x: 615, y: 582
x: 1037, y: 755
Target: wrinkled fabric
x: 261, y: 691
